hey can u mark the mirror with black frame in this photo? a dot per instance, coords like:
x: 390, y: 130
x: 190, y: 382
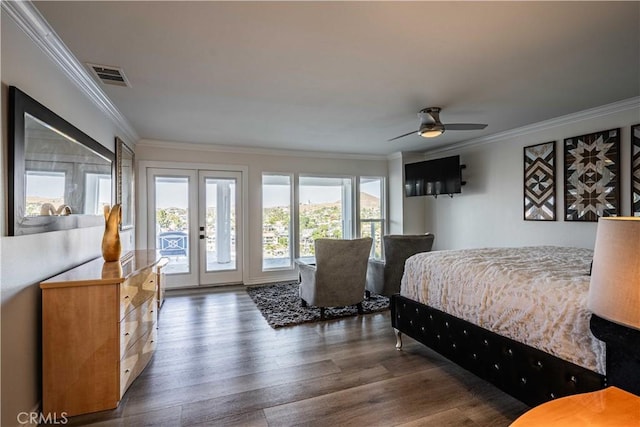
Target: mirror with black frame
x: 59, y: 177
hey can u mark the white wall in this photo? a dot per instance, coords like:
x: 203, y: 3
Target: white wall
x: 26, y: 260
x: 489, y: 212
x: 255, y: 162
x: 406, y: 214
x: 396, y: 197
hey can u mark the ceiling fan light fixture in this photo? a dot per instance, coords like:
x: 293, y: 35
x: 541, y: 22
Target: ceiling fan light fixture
x: 431, y: 133
x: 431, y: 130
x: 431, y: 126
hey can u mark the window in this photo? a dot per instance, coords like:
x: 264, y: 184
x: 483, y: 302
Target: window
x: 44, y: 188
x: 97, y: 193
x: 372, y: 212
x: 276, y: 222
x: 325, y: 210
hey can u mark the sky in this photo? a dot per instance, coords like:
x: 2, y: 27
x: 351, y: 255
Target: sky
x: 174, y: 193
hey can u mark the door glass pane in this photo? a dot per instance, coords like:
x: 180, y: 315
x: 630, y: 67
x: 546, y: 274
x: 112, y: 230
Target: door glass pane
x: 172, y: 221
x: 372, y: 212
x: 220, y: 224
x: 324, y: 210
x: 276, y: 222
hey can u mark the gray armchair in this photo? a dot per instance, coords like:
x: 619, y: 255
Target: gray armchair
x: 338, y: 277
x: 383, y: 277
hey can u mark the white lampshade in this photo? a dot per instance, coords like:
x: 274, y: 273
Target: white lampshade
x: 614, y: 292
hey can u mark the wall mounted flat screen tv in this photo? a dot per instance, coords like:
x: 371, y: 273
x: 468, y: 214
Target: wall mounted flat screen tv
x: 433, y: 177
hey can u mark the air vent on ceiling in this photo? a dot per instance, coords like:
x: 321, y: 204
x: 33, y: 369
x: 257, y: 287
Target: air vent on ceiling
x: 109, y: 75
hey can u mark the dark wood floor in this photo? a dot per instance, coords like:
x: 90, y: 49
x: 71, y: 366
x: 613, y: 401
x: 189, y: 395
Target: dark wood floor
x: 218, y: 363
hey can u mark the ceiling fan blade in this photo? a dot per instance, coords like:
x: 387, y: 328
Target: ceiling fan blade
x: 402, y: 136
x: 464, y: 126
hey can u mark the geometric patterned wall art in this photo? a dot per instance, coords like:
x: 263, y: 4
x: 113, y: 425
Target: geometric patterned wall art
x: 591, y: 178
x: 635, y: 170
x: 540, y: 182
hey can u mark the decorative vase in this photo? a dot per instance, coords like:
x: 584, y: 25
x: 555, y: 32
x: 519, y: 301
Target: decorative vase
x: 47, y: 209
x: 111, y: 246
x: 63, y: 210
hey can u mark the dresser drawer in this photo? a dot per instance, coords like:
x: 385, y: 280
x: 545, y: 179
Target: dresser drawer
x: 136, y: 290
x: 137, y: 323
x: 136, y: 358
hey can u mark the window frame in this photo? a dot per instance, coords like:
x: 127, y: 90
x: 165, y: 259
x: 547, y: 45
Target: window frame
x: 351, y: 220
x: 292, y: 223
x: 383, y: 211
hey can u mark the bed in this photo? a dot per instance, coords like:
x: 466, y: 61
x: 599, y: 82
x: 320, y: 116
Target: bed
x: 516, y: 317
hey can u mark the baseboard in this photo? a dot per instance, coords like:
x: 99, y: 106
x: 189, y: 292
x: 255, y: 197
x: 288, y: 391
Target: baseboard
x: 187, y: 290
x: 262, y: 280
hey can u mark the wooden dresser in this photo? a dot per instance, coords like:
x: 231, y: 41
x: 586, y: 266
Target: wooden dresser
x: 98, y: 331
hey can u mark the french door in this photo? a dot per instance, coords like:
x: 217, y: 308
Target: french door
x: 195, y: 219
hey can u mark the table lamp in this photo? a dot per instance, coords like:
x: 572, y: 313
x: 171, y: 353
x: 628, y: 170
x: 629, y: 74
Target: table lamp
x: 614, y: 292
x: 614, y: 299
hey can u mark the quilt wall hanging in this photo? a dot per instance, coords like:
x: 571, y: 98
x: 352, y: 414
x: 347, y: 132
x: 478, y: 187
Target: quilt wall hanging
x: 540, y: 182
x: 591, y: 175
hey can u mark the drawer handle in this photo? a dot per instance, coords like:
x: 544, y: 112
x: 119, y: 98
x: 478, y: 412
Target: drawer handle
x: 126, y: 371
x: 126, y: 297
x: 126, y: 334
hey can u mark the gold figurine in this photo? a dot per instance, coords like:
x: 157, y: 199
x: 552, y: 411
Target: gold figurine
x: 111, y: 246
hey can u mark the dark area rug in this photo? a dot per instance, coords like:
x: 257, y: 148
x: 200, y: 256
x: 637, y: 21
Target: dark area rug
x: 280, y: 305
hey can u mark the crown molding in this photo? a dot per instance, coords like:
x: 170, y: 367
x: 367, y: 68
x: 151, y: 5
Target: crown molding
x: 404, y: 155
x: 29, y: 20
x: 395, y: 156
x: 589, y: 114
x: 191, y: 146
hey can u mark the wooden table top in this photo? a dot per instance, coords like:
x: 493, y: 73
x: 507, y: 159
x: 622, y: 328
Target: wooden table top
x: 99, y: 272
x: 608, y: 407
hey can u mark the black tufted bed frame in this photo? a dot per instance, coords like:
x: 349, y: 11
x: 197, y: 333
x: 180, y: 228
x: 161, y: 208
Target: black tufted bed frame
x: 524, y: 372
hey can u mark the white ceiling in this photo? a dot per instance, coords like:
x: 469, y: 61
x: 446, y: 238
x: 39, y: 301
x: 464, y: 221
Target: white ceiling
x: 347, y: 76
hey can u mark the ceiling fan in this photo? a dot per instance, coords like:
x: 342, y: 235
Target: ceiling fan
x: 431, y: 126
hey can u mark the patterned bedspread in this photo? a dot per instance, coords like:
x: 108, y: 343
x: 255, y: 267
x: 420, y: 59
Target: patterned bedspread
x: 534, y: 295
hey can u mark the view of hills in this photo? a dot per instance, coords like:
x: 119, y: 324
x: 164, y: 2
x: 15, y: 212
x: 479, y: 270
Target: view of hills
x: 316, y: 220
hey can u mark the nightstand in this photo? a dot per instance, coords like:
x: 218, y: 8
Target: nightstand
x: 623, y: 353
x: 608, y: 407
